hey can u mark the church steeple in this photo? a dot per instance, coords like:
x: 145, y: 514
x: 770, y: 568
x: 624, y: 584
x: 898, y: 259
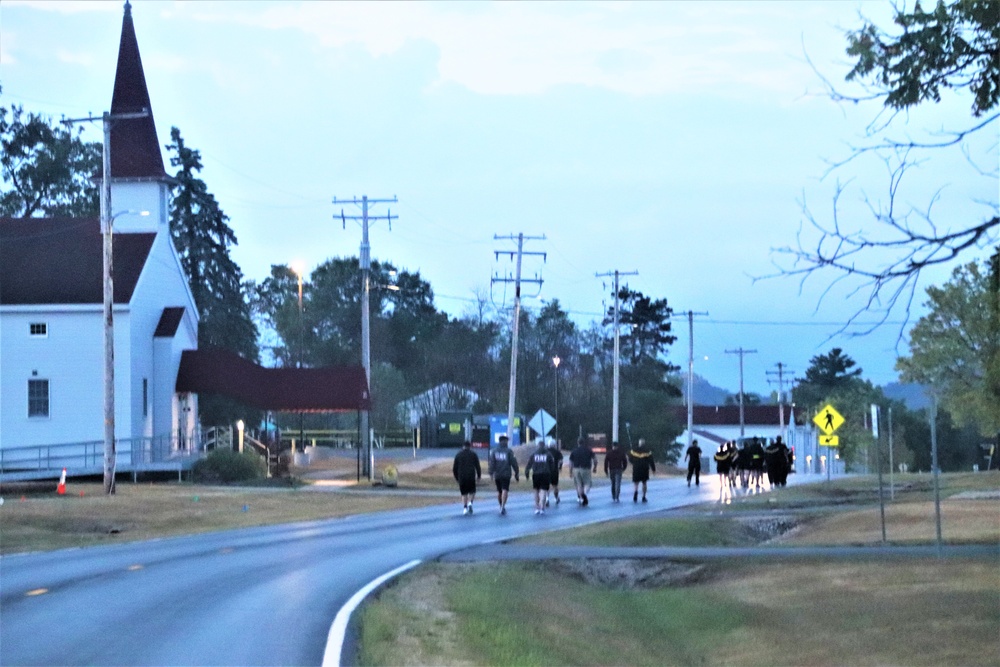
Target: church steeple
x: 135, y: 149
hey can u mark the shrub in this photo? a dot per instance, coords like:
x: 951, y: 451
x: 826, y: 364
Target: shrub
x: 224, y: 466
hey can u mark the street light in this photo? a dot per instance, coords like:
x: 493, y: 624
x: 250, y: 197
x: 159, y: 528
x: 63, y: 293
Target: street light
x: 239, y: 427
x: 555, y: 364
x: 299, y: 269
x: 109, y: 348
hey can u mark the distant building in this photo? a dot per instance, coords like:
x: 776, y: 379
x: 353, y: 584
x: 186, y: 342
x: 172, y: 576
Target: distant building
x: 714, y: 424
x: 445, y: 397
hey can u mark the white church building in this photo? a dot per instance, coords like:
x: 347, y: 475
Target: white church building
x: 51, y: 308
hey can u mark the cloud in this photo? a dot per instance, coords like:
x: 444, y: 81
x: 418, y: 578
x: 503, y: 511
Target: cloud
x: 529, y: 48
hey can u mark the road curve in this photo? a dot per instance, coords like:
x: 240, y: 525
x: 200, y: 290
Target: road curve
x: 260, y: 596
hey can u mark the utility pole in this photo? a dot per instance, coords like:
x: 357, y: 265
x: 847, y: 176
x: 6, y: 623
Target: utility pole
x: 517, y: 280
x: 107, y: 223
x: 690, y: 382
x: 782, y: 369
x: 366, y: 265
x: 741, y: 352
x: 614, y: 398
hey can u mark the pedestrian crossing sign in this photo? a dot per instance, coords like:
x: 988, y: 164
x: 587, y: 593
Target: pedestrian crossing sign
x: 829, y: 441
x: 828, y: 420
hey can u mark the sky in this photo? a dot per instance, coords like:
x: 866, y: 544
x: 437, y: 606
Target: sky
x: 682, y: 141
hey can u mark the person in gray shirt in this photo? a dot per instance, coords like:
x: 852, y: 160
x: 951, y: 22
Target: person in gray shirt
x: 502, y: 463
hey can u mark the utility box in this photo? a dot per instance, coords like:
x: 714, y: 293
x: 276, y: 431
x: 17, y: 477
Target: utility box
x: 453, y: 428
x: 498, y: 427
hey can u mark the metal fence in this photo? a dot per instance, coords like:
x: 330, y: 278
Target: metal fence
x: 162, y: 453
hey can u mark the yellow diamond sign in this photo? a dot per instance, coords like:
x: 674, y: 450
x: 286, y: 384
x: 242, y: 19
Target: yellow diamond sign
x: 828, y: 420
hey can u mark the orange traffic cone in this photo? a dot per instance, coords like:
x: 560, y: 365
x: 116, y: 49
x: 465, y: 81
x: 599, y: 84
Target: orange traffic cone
x: 61, y: 489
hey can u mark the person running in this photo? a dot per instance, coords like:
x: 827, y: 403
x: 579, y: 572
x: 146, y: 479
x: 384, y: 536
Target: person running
x: 615, y: 464
x: 582, y: 462
x: 693, y: 456
x: 642, y: 464
x: 466, y: 471
x: 557, y: 463
x: 540, y: 464
x: 502, y: 463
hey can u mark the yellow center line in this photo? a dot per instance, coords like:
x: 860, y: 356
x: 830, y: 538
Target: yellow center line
x: 133, y: 568
x: 37, y: 591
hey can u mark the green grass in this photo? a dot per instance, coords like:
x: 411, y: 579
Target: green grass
x: 658, y: 532
x: 551, y: 619
x: 928, y: 612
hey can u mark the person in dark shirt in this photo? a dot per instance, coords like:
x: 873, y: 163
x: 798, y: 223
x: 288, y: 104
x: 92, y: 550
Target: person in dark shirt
x: 776, y: 457
x: 466, y: 471
x: 642, y: 464
x: 693, y: 456
x: 557, y: 463
x: 502, y: 463
x: 583, y: 463
x: 540, y: 465
x: 615, y: 464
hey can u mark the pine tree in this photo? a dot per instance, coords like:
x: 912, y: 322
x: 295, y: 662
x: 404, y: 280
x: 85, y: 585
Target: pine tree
x: 203, y: 239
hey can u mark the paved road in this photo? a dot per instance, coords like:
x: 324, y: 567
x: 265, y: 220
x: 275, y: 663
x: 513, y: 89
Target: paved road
x: 262, y: 596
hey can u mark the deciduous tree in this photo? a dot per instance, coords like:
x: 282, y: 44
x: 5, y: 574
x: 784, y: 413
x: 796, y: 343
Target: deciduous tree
x: 47, y: 167
x: 955, y: 348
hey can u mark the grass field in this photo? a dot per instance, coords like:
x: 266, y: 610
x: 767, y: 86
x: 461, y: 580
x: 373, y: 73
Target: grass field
x: 86, y: 517
x: 922, y: 612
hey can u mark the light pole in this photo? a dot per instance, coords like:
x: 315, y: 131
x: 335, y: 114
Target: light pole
x: 555, y: 364
x: 299, y: 270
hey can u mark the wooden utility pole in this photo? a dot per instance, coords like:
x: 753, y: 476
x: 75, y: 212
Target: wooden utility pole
x: 741, y: 352
x: 517, y: 280
x: 107, y: 229
x: 616, y: 383
x: 364, y: 261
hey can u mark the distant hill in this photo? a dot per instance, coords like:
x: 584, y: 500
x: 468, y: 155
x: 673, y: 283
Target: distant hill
x: 706, y: 393
x: 914, y: 396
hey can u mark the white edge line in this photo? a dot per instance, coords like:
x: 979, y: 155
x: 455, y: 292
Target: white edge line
x: 335, y: 638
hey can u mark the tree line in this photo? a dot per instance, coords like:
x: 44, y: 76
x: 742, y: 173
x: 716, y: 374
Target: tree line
x: 954, y: 349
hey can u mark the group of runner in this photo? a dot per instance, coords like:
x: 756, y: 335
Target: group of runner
x: 746, y: 465
x: 543, y: 468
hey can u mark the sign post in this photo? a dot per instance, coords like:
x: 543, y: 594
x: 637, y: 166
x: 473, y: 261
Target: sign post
x: 828, y: 420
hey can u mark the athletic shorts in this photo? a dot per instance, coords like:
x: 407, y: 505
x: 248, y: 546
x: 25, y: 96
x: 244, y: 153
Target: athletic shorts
x: 467, y: 486
x: 582, y: 477
x: 540, y: 482
x: 503, y: 483
x: 640, y: 475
